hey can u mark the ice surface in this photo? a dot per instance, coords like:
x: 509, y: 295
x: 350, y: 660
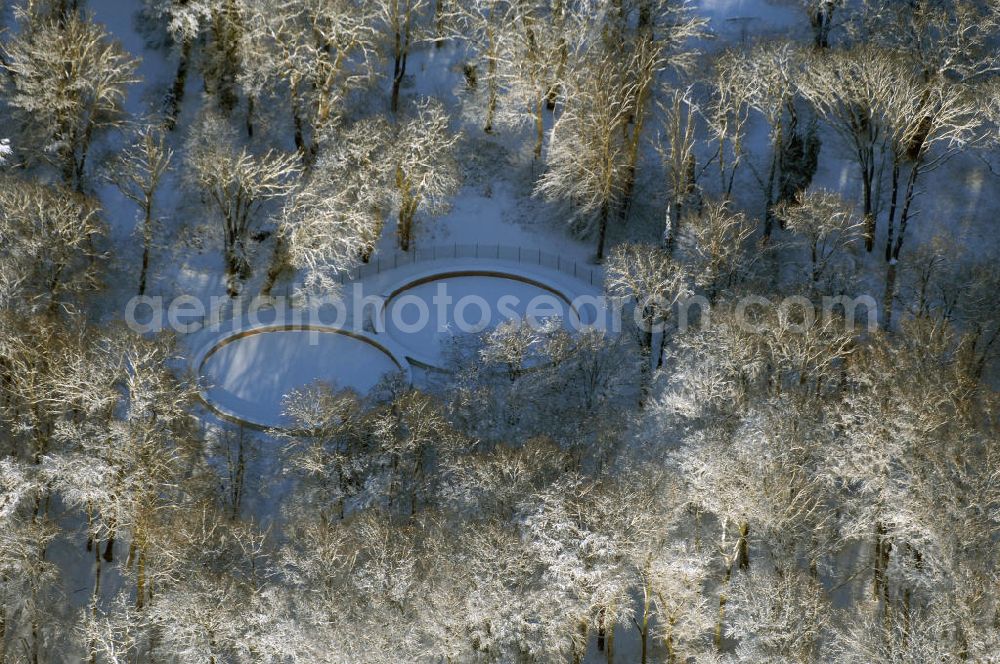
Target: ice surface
x: 250, y: 376
x: 474, y: 304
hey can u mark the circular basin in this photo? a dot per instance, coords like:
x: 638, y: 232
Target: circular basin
x: 247, y: 375
x: 422, y: 315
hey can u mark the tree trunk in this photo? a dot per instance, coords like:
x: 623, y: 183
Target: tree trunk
x: 645, y: 22
x: 889, y: 296
x: 81, y: 164
x: 405, y: 230
x: 645, y: 355
x: 92, y: 646
x: 663, y: 347
x: 743, y: 547
x: 539, y: 129
x: 439, y: 23
x: 558, y: 11
x: 669, y: 641
x: 398, y: 71
x: 882, y: 550
x: 776, y: 148
x: 3, y: 630
x: 232, y: 271
x: 580, y: 646
x: 492, y: 92
x: 602, y: 231
x: 821, y: 19
x: 277, y: 265
x: 553, y: 93
x: 904, y: 216
x: 249, y: 122
x: 601, y: 631
x: 147, y: 239
x: 628, y: 187
x: 35, y: 636
x: 140, y: 578
x: 177, y: 90
x: 869, y: 214
x: 891, y: 221
x: 643, y: 624
x: 633, y: 138
x: 300, y: 141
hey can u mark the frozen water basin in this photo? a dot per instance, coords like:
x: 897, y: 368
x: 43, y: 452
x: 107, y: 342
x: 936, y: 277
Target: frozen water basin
x: 247, y: 375
x: 421, y: 315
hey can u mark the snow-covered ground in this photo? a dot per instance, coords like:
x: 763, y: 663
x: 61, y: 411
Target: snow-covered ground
x: 249, y: 376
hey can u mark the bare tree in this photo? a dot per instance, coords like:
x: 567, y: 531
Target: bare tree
x: 324, y: 235
x: 931, y: 122
x: 676, y: 578
x: 399, y: 22
x: 664, y: 32
x: 944, y: 39
x: 489, y: 25
x: 313, y: 51
x: 821, y: 15
x: 769, y: 73
x: 679, y: 160
x: 126, y: 447
x: 335, y: 220
x: 825, y: 222
x: 714, y: 241
x: 535, y: 52
x: 728, y: 114
x: 185, y: 22
x: 236, y: 184
x: 850, y: 89
x: 654, y: 282
x: 222, y: 54
x: 588, y: 155
x: 26, y: 574
x: 50, y: 244
x: 60, y: 121
x: 872, y: 636
x: 778, y: 614
x: 137, y: 172
x: 424, y: 170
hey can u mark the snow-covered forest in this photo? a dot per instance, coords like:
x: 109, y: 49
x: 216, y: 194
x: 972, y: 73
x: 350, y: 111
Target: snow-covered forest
x: 785, y: 449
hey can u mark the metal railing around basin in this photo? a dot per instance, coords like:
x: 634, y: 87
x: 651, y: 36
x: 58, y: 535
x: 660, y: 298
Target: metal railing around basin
x: 587, y: 272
